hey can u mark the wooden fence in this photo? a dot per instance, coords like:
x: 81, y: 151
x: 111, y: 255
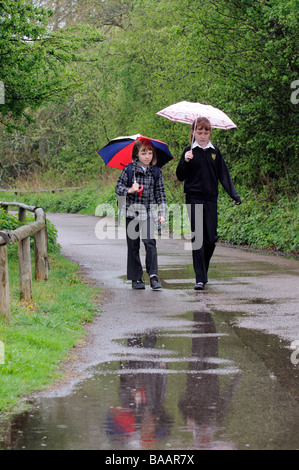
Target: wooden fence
x: 21, y: 235
x: 17, y: 191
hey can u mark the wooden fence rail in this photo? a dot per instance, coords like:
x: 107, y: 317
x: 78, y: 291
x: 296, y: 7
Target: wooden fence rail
x: 21, y: 235
x: 17, y: 191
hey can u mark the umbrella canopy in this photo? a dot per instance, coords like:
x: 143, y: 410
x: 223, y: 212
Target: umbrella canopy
x: 187, y: 112
x: 118, y: 152
x: 120, y: 422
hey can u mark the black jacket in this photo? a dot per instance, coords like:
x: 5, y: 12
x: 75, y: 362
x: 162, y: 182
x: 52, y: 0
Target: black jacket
x: 202, y: 173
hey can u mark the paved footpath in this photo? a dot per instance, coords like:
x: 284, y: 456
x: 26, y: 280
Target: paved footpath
x: 174, y: 368
x: 262, y: 288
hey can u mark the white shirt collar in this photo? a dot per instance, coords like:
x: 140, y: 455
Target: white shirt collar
x: 196, y: 144
x: 141, y: 167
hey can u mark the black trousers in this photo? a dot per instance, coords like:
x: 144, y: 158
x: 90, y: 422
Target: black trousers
x: 207, y: 237
x: 136, y: 231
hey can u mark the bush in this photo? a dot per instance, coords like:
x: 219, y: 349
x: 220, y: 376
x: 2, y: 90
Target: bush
x: 72, y: 201
x: 10, y: 222
x: 259, y: 223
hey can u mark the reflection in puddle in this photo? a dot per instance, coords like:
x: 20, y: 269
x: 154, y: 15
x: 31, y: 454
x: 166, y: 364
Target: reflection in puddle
x: 204, y: 405
x: 163, y: 393
x: 141, y: 413
x: 204, y: 384
x: 144, y: 387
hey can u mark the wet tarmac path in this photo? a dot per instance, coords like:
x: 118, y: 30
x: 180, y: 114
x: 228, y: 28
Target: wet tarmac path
x: 174, y: 369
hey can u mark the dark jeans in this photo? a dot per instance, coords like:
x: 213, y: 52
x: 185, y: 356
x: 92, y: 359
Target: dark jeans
x: 142, y: 230
x: 202, y: 256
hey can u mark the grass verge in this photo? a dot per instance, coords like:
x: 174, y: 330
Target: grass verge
x: 42, y: 332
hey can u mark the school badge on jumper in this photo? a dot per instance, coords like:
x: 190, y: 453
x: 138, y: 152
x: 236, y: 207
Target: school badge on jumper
x: 214, y: 156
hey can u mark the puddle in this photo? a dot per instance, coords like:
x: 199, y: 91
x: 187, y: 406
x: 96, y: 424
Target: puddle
x: 258, y: 301
x: 205, y: 384
x: 180, y: 369
x: 168, y: 380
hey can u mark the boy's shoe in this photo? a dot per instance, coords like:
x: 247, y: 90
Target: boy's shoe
x: 155, y: 283
x: 138, y: 284
x: 199, y: 286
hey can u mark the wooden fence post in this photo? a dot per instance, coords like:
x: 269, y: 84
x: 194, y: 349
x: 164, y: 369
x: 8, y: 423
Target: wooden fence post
x: 21, y: 235
x: 41, y: 259
x: 25, y: 263
x: 4, y: 284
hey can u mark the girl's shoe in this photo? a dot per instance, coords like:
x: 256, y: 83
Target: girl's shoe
x: 138, y: 284
x: 199, y: 286
x: 155, y: 283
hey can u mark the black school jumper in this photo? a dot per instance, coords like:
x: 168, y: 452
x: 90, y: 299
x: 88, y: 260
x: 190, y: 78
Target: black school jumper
x: 201, y: 175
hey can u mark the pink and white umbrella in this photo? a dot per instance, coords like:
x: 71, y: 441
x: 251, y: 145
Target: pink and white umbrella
x: 187, y: 112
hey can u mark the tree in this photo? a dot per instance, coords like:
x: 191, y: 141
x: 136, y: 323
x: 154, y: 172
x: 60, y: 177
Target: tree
x: 248, y: 50
x: 34, y: 60
x: 238, y: 55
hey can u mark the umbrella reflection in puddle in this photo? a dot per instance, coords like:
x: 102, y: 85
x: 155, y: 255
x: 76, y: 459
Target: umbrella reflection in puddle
x: 143, y: 418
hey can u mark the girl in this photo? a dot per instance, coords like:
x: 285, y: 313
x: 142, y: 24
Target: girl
x: 142, y: 196
x: 201, y: 167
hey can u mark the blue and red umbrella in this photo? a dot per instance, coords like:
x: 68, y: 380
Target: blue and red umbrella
x: 118, y: 152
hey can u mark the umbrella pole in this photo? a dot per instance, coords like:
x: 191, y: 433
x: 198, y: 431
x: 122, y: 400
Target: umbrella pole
x: 193, y: 134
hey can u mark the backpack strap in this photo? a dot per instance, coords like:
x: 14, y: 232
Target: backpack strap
x: 156, y: 171
x: 130, y: 174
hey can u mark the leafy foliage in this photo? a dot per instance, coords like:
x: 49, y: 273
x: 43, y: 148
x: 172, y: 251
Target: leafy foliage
x: 259, y: 223
x: 34, y: 60
x: 240, y: 56
x: 10, y: 222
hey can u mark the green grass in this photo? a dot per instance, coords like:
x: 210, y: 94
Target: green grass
x: 42, y: 332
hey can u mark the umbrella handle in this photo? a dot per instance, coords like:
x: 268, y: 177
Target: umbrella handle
x: 139, y: 191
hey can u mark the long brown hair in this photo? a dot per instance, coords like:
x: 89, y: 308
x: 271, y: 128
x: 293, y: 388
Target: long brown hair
x: 200, y: 123
x: 143, y: 142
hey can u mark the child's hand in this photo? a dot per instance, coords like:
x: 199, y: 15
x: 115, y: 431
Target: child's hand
x: 161, y: 219
x: 188, y: 156
x: 134, y: 188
